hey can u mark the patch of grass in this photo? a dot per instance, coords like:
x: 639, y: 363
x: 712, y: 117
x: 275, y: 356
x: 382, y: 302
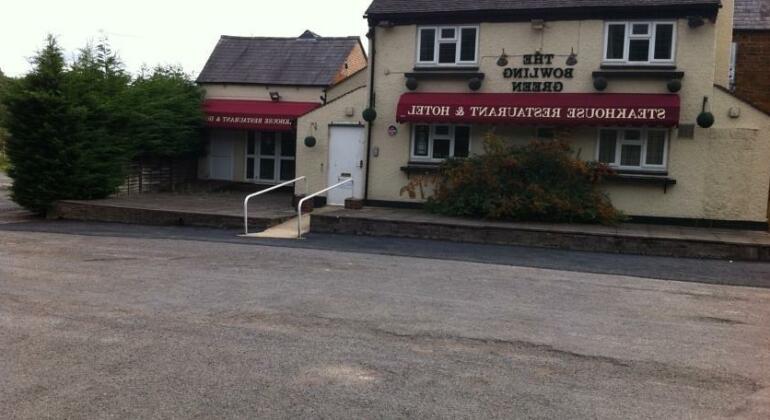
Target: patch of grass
x: 3, y: 162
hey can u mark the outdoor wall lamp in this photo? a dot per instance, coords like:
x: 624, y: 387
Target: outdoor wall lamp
x: 503, y: 60
x: 275, y: 96
x: 695, y: 21
x: 538, y: 24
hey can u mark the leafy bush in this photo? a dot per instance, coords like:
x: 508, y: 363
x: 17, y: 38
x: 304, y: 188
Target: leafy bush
x: 541, y: 181
x: 162, y: 114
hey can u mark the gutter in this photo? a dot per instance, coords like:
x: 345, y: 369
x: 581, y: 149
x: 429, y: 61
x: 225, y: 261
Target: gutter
x: 372, y: 35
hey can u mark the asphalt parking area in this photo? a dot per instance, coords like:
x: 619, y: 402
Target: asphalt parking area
x: 159, y: 327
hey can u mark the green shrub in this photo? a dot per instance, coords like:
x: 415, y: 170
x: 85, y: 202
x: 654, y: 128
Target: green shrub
x: 541, y: 181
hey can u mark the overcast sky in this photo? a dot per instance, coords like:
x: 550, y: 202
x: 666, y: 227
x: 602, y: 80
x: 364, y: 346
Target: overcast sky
x: 165, y: 31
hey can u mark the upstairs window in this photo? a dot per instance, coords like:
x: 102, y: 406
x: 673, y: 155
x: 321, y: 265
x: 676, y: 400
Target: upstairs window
x: 639, y: 42
x: 447, y: 45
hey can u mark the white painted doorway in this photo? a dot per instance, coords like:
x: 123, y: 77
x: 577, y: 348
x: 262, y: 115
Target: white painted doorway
x: 346, y: 159
x: 221, y: 156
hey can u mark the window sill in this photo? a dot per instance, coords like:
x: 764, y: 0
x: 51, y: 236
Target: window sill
x: 643, y: 177
x: 443, y: 73
x: 460, y: 68
x: 635, y: 72
x: 618, y: 66
x: 421, y: 168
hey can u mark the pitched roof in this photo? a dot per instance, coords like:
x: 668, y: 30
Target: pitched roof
x: 752, y: 14
x: 417, y: 7
x: 309, y: 60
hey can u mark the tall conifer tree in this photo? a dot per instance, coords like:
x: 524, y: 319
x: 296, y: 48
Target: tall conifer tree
x: 41, y: 125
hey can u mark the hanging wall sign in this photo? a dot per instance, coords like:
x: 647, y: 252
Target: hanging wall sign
x: 538, y: 74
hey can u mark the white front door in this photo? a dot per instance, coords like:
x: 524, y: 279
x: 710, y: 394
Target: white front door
x: 221, y: 155
x: 346, y: 160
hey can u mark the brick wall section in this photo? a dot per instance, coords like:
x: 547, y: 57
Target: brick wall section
x: 356, y: 61
x: 752, y: 83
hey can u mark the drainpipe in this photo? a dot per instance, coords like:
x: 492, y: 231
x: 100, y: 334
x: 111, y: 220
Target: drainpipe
x: 372, y: 54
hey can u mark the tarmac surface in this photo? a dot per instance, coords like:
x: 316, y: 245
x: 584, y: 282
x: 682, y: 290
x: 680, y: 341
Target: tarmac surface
x: 119, y: 321
x: 130, y: 327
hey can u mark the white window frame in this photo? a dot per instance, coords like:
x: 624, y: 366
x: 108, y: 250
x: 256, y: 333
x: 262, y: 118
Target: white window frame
x: 257, y: 156
x: 437, y: 40
x: 620, y: 141
x: 432, y: 136
x: 652, y: 26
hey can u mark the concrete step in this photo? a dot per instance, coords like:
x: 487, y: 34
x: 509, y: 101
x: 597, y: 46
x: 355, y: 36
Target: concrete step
x: 97, y: 212
x: 751, y: 246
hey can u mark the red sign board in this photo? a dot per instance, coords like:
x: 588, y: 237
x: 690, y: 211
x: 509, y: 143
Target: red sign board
x: 548, y: 109
x: 255, y: 115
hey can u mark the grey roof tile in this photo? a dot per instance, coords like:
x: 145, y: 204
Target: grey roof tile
x: 309, y: 60
x: 752, y: 14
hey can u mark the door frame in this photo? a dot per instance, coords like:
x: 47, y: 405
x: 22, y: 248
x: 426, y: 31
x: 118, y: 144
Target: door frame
x: 356, y: 185
x: 278, y: 158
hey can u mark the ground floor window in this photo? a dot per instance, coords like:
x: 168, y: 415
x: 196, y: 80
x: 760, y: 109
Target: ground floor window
x: 439, y: 142
x: 633, y: 148
x: 270, y: 156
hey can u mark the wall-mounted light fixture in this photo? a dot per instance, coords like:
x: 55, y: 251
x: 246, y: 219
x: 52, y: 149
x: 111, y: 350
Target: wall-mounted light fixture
x: 572, y: 59
x: 695, y: 21
x: 503, y: 60
x: 275, y: 96
x: 538, y: 24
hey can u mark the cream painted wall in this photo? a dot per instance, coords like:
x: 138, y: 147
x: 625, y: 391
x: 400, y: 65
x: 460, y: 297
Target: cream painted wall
x: 697, y: 164
x: 356, y: 80
x: 312, y: 162
x: 262, y: 93
x: 724, y: 41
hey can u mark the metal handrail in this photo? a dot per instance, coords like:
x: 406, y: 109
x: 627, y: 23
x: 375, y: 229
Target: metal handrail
x: 301, y: 202
x: 249, y: 197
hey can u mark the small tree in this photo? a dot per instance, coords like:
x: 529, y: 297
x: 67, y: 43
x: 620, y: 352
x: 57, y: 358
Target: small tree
x: 42, y: 124
x: 94, y: 84
x: 541, y: 181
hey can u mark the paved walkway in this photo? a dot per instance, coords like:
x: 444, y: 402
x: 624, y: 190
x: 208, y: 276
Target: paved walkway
x: 212, y: 209
x: 5, y: 182
x: 216, y: 203
x: 10, y: 212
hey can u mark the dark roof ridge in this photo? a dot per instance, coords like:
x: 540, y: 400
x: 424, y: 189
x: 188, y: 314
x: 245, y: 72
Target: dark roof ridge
x: 500, y: 10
